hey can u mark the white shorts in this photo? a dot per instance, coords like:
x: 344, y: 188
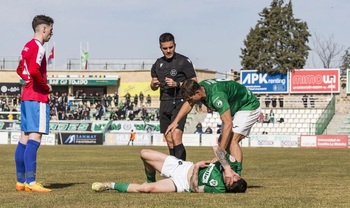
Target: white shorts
x: 243, y: 121
x: 177, y: 171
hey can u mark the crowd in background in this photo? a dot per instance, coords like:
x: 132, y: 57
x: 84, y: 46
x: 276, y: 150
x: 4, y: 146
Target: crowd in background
x: 80, y: 106
x: 100, y: 107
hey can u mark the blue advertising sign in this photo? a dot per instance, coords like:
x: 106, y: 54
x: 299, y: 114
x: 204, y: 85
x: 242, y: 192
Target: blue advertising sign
x: 264, y: 83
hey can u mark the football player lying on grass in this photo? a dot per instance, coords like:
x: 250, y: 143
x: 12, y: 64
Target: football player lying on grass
x: 183, y: 176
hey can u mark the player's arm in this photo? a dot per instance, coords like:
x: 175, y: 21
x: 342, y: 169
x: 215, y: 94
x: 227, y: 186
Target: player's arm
x: 227, y: 129
x: 189, y: 71
x: 228, y: 172
x: 185, y: 109
x: 154, y: 81
x: 34, y: 71
x: 194, y: 178
x: 22, y: 70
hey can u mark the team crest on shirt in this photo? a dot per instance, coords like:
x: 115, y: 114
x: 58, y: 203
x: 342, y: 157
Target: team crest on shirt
x: 173, y: 72
x: 160, y: 65
x: 213, y: 182
x: 218, y: 103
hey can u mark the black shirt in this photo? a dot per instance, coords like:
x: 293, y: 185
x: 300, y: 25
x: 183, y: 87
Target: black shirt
x: 179, y: 68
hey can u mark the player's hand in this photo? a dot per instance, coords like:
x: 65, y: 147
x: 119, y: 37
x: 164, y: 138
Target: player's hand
x: 155, y: 83
x: 171, y: 128
x: 229, y: 176
x: 170, y: 82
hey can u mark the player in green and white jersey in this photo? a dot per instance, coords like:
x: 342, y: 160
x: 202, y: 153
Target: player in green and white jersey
x: 181, y: 176
x: 238, y: 107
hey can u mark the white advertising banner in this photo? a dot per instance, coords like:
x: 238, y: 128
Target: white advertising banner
x: 4, y: 137
x: 209, y: 140
x: 159, y: 140
x: 308, y: 141
x: 190, y: 140
x: 274, y: 141
x: 123, y: 139
x: 45, y: 139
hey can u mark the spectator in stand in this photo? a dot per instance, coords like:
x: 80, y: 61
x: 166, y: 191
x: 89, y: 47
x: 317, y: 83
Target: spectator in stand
x: 131, y: 115
x: 97, y: 98
x: 281, y: 120
x: 84, y: 99
x: 121, y: 114
x: 143, y: 112
x: 274, y: 101
x: 157, y: 114
x: 86, y: 114
x: 53, y: 112
x: 208, y: 130
x: 80, y: 111
x: 112, y: 113
x: 261, y: 118
x: 99, y: 111
x: 136, y: 99
x: 280, y: 100
x: 60, y: 109
x: 127, y: 98
x: 199, y: 107
x: 266, y: 118
x: 272, y: 116
x: 109, y: 100
x: 148, y: 100
x: 116, y: 99
x: 104, y: 100
x: 199, y: 128
x: 121, y: 105
x: 312, y: 101
x: 129, y: 109
x: 141, y: 97
x: 304, y: 99
x: 267, y: 101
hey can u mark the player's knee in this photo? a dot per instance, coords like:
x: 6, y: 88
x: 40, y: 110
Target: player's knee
x: 237, y: 138
x: 145, y: 153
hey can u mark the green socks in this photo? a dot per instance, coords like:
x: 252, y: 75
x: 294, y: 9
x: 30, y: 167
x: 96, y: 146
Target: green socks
x: 150, y: 177
x: 121, y: 187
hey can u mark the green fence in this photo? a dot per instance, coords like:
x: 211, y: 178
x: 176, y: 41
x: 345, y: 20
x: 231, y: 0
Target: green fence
x: 325, y: 117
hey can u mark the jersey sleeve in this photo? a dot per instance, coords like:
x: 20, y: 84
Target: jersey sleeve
x: 21, y: 70
x: 153, y: 70
x: 34, y: 69
x: 189, y: 70
x: 220, y: 102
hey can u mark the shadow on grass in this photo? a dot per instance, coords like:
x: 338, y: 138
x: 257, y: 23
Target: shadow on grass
x: 60, y: 185
x: 255, y: 187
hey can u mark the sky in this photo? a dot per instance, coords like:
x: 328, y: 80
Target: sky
x: 209, y: 32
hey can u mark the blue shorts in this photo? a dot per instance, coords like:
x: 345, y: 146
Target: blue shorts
x: 35, y: 117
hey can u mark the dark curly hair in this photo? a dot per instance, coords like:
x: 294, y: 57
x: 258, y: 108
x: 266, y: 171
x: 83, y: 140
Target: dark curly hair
x: 239, y: 186
x: 189, y: 88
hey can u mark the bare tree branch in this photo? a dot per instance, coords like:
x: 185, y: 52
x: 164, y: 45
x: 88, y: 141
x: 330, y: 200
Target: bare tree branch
x: 328, y: 51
